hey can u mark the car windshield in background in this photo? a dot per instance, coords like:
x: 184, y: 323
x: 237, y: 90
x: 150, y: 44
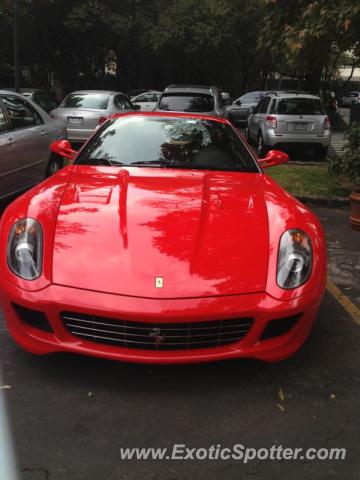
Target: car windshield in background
x: 182, y: 102
x: 300, y: 106
x: 81, y: 100
x: 168, y: 142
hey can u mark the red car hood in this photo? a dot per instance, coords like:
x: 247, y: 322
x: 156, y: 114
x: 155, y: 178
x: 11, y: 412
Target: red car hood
x: 204, y: 233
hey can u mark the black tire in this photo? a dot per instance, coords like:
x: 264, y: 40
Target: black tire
x: 261, y: 148
x: 55, y: 164
x: 320, y: 152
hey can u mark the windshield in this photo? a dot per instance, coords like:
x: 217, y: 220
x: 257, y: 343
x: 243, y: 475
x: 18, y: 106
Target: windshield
x: 168, y: 142
x: 300, y: 106
x: 97, y: 101
x: 182, y: 102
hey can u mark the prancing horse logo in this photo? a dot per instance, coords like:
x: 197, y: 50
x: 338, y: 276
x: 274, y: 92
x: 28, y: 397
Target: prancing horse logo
x: 159, y: 282
x: 155, y: 334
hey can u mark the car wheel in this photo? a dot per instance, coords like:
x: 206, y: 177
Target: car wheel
x: 55, y: 164
x: 320, y: 152
x: 261, y: 147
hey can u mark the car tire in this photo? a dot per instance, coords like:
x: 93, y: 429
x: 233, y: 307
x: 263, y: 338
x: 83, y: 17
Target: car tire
x: 55, y: 164
x: 261, y: 148
x: 320, y: 152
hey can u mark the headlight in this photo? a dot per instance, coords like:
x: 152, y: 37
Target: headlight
x: 24, y: 249
x: 294, y: 260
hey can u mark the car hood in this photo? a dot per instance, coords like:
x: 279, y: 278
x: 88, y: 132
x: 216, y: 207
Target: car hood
x: 162, y: 233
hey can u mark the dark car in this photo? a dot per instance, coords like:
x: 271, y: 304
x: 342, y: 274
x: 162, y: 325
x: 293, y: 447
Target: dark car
x: 192, y: 98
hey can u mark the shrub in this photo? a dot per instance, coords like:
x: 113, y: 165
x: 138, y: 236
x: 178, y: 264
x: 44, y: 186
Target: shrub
x: 349, y: 163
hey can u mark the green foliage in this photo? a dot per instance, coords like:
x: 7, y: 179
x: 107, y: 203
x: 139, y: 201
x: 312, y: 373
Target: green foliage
x: 349, y: 162
x: 237, y: 44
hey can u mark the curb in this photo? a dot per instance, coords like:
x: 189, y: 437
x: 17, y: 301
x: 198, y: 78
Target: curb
x: 330, y: 202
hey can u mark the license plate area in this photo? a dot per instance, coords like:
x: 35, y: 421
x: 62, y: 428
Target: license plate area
x: 75, y: 120
x: 299, y: 127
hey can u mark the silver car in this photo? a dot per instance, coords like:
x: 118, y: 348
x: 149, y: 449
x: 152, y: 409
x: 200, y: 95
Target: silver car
x: 350, y: 98
x: 146, y: 101
x: 238, y: 111
x: 26, y: 132
x: 281, y: 120
x: 83, y: 111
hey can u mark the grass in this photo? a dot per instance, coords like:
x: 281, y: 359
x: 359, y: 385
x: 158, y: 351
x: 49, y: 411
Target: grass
x: 309, y: 180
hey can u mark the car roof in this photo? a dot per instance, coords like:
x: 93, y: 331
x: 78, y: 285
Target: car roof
x: 172, y: 115
x: 190, y: 88
x: 292, y: 95
x: 12, y: 92
x: 147, y: 91
x: 101, y: 92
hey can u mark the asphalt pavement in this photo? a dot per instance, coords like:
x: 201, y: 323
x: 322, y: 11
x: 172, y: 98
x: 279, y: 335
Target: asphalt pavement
x: 71, y: 415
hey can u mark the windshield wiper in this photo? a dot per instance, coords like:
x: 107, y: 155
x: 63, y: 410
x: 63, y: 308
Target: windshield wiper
x: 99, y: 161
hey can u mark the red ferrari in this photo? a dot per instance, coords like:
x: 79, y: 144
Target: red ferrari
x: 163, y: 242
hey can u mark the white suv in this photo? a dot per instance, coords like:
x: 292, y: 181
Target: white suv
x: 281, y: 120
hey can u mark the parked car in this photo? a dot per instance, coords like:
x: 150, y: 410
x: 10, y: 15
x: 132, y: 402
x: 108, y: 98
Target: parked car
x: 192, y: 98
x: 238, y: 111
x: 84, y: 110
x: 26, y: 131
x: 45, y: 99
x: 350, y: 98
x: 164, y: 242
x: 283, y: 119
x: 147, y: 101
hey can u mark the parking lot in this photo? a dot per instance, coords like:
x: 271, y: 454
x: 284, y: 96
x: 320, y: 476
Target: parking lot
x: 71, y: 415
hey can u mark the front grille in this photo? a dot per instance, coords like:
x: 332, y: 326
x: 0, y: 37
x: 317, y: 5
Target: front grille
x: 156, y: 335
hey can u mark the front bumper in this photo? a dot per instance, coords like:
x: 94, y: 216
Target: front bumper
x: 260, y: 306
x: 273, y: 139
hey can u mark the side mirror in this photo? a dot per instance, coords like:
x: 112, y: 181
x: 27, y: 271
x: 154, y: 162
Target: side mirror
x: 273, y: 158
x: 63, y: 149
x: 136, y: 107
x: 251, y: 110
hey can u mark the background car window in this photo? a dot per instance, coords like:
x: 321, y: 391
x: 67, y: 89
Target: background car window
x: 3, y: 126
x: 146, y: 97
x: 263, y: 105
x: 250, y: 97
x: 122, y: 103
x: 300, y: 106
x: 272, y: 106
x: 119, y: 102
x: 21, y: 113
x: 96, y: 101
x: 180, y: 102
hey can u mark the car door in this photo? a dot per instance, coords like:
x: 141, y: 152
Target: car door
x: 29, y: 136
x: 8, y: 156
